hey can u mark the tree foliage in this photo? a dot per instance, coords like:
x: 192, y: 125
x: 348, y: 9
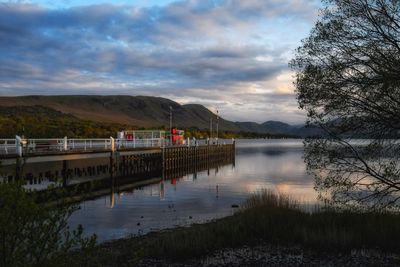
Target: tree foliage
x: 43, y: 122
x: 33, y: 234
x: 348, y: 81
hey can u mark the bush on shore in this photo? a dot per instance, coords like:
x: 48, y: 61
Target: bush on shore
x: 33, y: 234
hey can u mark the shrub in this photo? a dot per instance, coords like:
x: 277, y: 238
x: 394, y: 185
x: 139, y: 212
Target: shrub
x: 33, y: 234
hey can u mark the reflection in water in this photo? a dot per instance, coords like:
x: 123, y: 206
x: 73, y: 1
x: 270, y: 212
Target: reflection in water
x: 201, y: 196
x: 112, y: 196
x: 162, y: 193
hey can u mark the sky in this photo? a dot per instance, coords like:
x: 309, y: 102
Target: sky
x: 229, y: 55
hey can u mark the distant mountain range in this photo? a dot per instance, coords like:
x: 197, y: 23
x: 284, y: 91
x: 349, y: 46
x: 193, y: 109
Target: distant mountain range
x: 147, y: 112
x: 278, y: 127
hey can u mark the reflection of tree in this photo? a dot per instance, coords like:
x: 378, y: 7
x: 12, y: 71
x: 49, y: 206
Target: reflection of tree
x: 265, y: 150
x: 348, y: 82
x: 275, y: 152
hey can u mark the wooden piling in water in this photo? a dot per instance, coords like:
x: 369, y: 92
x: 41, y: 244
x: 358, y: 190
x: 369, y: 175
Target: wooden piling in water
x: 175, y: 161
x: 64, y: 173
x: 185, y: 159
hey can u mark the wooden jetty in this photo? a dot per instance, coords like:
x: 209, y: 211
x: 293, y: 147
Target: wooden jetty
x: 107, y: 158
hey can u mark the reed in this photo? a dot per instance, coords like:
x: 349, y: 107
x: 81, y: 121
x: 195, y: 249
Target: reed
x: 268, y: 217
x: 265, y: 218
x: 267, y: 198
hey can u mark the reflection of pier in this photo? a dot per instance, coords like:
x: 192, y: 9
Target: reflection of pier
x: 41, y: 162
x: 119, y: 185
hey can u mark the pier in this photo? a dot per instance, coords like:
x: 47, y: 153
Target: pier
x: 65, y: 162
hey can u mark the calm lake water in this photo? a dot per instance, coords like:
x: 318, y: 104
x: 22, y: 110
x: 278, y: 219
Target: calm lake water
x: 195, y: 198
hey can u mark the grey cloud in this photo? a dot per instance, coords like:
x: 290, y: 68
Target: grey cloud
x: 123, y: 49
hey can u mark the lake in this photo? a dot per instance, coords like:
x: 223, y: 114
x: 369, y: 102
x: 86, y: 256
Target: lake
x: 201, y: 197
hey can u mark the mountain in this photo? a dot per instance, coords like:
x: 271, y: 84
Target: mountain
x: 140, y: 111
x: 143, y: 111
x: 277, y: 127
x: 280, y: 128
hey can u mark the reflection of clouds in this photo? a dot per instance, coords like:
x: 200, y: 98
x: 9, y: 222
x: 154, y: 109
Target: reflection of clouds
x: 252, y: 187
x: 283, y: 172
x: 289, y: 166
x: 283, y: 188
x: 300, y: 192
x: 263, y: 144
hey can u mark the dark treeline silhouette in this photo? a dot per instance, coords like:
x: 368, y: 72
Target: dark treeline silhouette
x: 348, y: 82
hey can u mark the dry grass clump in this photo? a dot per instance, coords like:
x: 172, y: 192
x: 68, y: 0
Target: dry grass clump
x: 269, y: 199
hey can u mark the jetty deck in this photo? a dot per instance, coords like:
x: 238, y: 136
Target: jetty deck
x: 109, y: 157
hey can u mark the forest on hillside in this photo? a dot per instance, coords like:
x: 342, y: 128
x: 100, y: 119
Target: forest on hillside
x: 44, y: 122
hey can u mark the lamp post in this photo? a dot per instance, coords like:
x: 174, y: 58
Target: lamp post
x: 211, y: 128
x: 217, y: 125
x: 170, y: 125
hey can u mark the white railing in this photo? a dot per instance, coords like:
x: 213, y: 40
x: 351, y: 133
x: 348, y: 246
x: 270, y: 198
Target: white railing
x: 89, y: 144
x: 20, y: 146
x: 136, y: 143
x: 45, y: 146
x: 8, y: 146
x: 42, y: 145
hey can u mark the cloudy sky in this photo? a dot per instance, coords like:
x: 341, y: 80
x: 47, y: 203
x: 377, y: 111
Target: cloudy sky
x: 230, y: 55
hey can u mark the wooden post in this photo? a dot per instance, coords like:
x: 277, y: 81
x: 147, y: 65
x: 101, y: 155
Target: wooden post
x: 65, y: 144
x: 18, y: 145
x: 64, y: 173
x: 18, y: 168
x: 18, y: 161
x: 111, y: 165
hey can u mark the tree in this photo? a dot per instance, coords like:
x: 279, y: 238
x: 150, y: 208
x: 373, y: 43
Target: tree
x: 33, y: 234
x: 348, y: 81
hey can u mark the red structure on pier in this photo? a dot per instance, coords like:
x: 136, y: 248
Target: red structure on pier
x: 177, y: 136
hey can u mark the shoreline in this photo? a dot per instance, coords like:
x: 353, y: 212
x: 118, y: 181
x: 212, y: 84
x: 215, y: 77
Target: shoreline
x: 269, y: 230
x: 270, y: 255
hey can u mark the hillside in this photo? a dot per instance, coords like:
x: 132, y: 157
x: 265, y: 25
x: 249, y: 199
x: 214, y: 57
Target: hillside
x: 140, y: 111
x: 114, y: 112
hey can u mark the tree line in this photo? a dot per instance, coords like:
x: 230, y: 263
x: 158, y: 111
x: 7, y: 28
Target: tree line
x: 43, y: 122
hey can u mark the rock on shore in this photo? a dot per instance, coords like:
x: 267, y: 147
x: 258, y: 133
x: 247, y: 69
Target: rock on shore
x: 266, y: 255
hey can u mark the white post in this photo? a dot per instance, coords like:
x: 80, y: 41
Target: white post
x: 65, y: 143
x: 217, y: 125
x: 112, y: 144
x: 170, y: 125
x: 188, y: 142
x: 211, y: 127
x: 18, y: 145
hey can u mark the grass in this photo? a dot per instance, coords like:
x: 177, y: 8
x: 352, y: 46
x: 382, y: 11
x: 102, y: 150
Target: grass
x: 265, y: 218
